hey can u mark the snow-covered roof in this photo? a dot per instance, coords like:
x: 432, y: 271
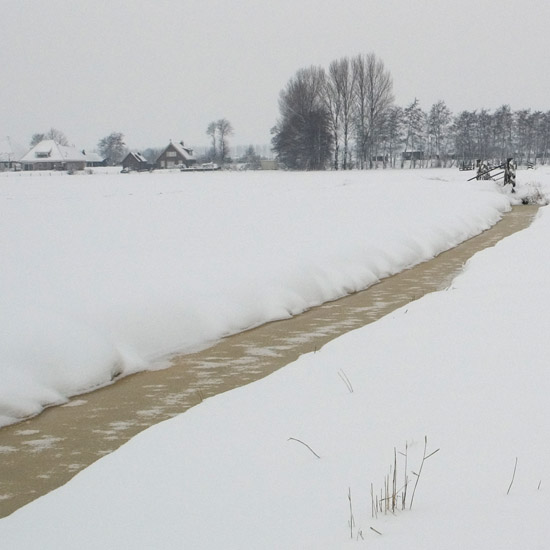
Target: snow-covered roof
x: 185, y: 152
x: 138, y: 156
x: 50, y: 151
x: 93, y: 157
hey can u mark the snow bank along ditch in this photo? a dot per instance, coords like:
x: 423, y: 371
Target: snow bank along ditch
x: 43, y: 452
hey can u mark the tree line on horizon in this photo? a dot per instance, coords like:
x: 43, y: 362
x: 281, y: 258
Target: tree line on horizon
x: 345, y: 117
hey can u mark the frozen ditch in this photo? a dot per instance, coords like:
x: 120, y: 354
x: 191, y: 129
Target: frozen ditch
x: 43, y: 452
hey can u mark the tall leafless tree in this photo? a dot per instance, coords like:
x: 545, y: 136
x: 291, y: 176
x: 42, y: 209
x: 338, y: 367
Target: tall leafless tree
x: 373, y: 98
x: 211, y: 131
x: 333, y: 102
x: 414, y: 121
x: 503, y: 127
x: 225, y: 129
x: 219, y: 131
x: 439, y: 118
x: 343, y: 78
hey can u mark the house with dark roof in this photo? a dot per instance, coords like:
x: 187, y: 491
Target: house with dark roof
x: 50, y: 155
x: 176, y: 155
x: 136, y: 161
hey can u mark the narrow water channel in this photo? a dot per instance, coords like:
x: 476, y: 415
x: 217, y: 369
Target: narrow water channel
x: 43, y: 452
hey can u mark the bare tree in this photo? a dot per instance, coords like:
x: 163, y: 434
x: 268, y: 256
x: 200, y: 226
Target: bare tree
x: 333, y: 103
x: 211, y: 131
x: 484, y: 134
x: 112, y: 147
x: 373, y: 98
x: 219, y: 131
x: 56, y: 135
x: 438, y: 121
x: 503, y: 127
x: 224, y: 130
x: 414, y: 119
x: 37, y: 138
x: 537, y: 122
x: 393, y: 132
x: 463, y: 134
x: 343, y: 82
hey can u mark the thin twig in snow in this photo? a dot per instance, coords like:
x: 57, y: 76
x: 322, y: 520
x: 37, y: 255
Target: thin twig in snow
x: 351, y: 518
x: 424, y: 457
x: 513, y: 476
x: 345, y: 379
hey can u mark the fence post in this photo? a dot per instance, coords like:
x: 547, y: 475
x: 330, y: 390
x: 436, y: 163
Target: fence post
x: 483, y: 170
x: 510, y: 173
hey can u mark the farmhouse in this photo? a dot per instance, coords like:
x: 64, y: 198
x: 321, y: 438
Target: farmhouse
x: 176, y: 155
x: 135, y: 161
x: 49, y: 155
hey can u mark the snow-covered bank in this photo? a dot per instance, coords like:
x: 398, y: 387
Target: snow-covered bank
x: 467, y: 367
x: 103, y: 275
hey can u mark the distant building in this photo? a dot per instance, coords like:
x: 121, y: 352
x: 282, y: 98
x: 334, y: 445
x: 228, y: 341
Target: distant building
x: 94, y: 159
x: 269, y: 164
x: 135, y: 161
x: 176, y: 155
x: 49, y: 155
x: 412, y: 155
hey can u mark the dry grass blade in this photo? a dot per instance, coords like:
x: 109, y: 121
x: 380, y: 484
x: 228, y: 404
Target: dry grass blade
x: 305, y: 445
x: 424, y: 457
x: 351, y: 518
x: 513, y: 476
x: 345, y: 379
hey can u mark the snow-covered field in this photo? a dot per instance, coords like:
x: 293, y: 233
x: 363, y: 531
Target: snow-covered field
x: 110, y: 273
x: 104, y: 275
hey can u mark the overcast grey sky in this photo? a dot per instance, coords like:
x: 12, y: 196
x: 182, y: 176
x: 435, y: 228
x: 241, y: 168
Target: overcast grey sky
x: 163, y: 69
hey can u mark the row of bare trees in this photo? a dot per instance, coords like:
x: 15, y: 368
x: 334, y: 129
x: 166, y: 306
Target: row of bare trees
x: 337, y: 113
x: 345, y: 117
x: 444, y: 139
x: 522, y: 134
x: 219, y: 131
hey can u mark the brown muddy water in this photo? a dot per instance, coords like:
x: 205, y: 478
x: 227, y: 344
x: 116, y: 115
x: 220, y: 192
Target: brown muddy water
x: 43, y: 452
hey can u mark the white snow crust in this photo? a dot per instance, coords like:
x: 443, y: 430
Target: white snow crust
x: 106, y: 275
x: 109, y: 274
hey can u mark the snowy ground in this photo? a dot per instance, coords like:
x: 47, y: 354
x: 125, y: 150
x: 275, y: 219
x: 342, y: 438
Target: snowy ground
x: 104, y: 275
x: 107, y: 268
